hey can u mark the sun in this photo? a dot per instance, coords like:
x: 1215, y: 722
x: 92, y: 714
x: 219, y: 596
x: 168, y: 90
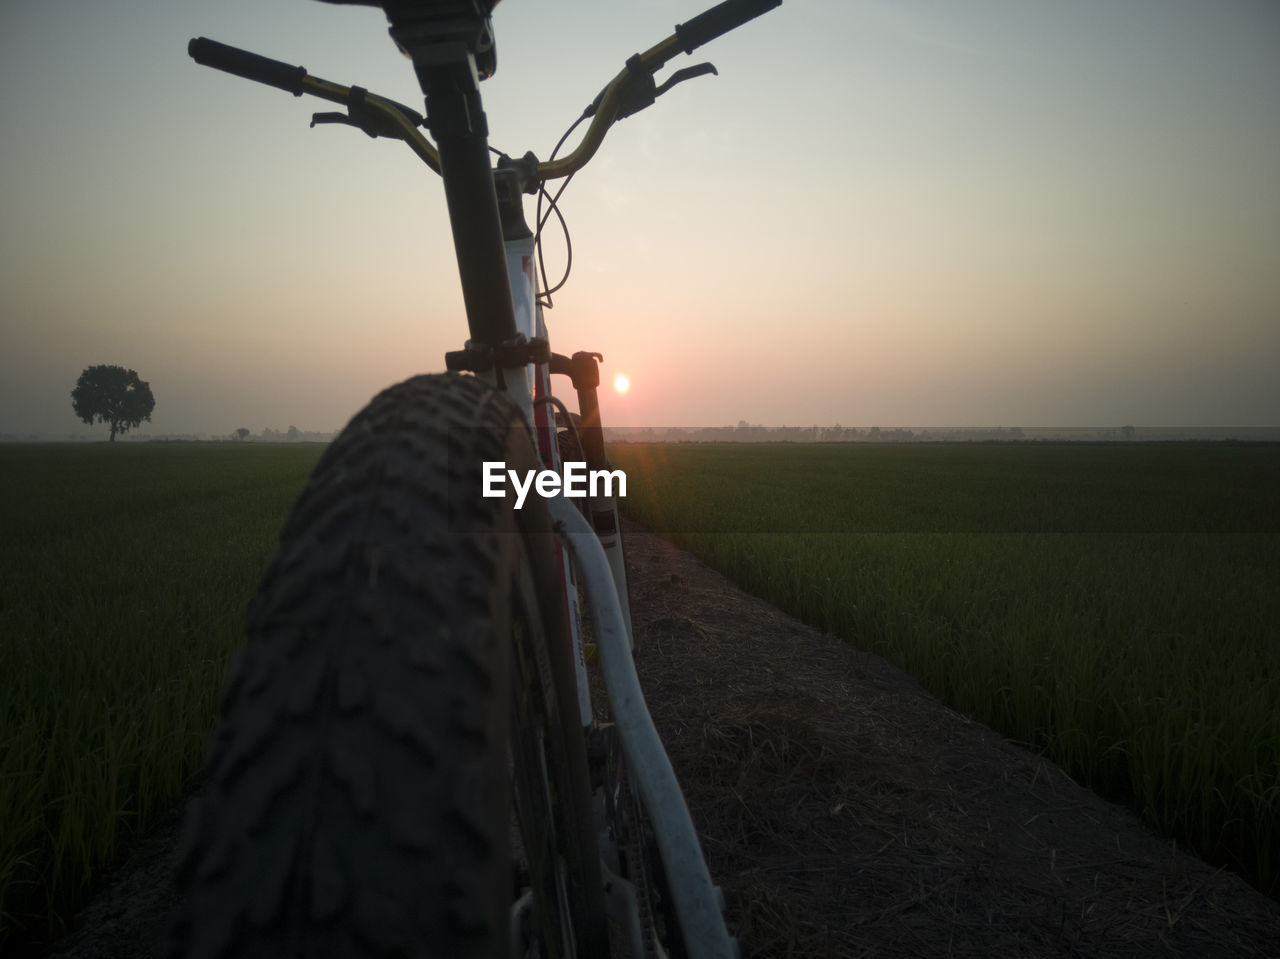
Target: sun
x: 621, y: 383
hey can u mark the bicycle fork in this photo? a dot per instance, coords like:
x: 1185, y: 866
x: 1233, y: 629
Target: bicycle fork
x: 697, y: 901
x: 533, y: 392
x: 596, y: 549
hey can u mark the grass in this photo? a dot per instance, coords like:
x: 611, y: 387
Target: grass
x: 1114, y: 606
x: 124, y: 572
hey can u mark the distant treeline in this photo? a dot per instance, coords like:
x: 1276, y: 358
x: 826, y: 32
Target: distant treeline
x: 752, y: 433
x: 749, y: 433
x: 268, y: 435
x: 291, y: 435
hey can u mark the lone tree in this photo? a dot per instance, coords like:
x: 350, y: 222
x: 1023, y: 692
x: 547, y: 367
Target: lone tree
x: 112, y: 394
x: 242, y: 434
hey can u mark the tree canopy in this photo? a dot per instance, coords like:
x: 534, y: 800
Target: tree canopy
x: 112, y: 394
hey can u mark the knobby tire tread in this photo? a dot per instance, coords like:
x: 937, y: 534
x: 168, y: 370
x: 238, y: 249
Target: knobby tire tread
x: 358, y: 802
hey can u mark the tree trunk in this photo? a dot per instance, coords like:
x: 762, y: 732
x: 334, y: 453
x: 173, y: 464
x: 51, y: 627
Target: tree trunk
x: 113, y: 432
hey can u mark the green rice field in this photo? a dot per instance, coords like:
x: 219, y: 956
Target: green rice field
x: 124, y: 572
x: 1114, y: 606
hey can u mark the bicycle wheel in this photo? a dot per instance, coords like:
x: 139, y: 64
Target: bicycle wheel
x: 362, y: 776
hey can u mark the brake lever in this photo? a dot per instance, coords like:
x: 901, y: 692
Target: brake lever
x: 640, y: 91
x: 363, y: 117
x: 686, y: 73
x: 318, y: 118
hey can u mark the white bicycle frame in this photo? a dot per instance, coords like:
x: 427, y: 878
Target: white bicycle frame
x: 697, y: 900
x: 527, y: 388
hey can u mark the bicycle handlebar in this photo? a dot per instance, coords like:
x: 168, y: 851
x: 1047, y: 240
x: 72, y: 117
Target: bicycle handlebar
x: 687, y: 37
x: 296, y: 80
x: 251, y: 66
x: 719, y: 20
x: 703, y: 28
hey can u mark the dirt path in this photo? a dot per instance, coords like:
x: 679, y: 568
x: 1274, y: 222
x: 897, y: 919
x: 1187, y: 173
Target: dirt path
x: 847, y: 813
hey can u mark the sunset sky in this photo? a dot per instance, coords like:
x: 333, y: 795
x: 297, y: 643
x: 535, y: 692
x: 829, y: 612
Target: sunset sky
x: 1001, y: 212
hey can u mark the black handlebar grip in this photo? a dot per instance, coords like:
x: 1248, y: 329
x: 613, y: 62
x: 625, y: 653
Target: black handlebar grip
x: 719, y: 20
x: 251, y: 66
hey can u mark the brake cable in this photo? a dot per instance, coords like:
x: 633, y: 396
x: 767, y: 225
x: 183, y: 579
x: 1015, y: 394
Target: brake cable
x: 544, y: 298
x: 638, y: 93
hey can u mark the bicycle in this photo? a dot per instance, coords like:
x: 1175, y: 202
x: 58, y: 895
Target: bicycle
x: 409, y: 760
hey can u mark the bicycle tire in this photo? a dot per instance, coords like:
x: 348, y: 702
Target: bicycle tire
x: 361, y: 775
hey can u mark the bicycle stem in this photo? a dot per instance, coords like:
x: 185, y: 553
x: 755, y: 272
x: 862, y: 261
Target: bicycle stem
x: 455, y: 117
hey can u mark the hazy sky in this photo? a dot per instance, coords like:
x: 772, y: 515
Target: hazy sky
x: 1001, y: 212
